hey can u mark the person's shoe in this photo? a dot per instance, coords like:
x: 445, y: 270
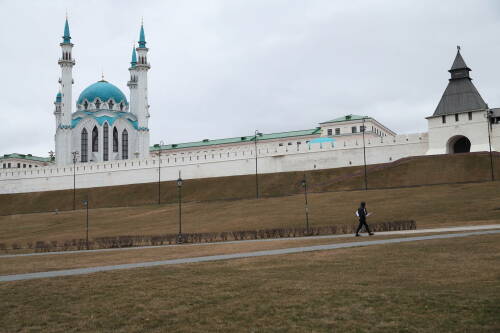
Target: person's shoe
x: 357, y: 235
x: 371, y: 234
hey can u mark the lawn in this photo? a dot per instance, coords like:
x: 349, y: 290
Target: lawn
x: 427, y: 286
x: 429, y: 206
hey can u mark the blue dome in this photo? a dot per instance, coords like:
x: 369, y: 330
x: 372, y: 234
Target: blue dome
x: 104, y: 91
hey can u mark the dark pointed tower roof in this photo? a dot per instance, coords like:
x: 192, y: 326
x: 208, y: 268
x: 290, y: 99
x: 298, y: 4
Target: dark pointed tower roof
x: 460, y: 95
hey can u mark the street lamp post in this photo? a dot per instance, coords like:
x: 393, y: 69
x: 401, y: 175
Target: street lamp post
x: 179, y: 195
x: 256, y: 166
x: 75, y: 155
x: 363, y: 129
x: 489, y: 113
x: 304, y: 185
x: 159, y: 171
x: 86, y: 204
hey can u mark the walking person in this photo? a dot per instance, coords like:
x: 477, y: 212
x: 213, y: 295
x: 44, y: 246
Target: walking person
x: 362, y: 213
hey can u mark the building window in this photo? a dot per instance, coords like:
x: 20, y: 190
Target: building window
x: 4, y: 166
x: 115, y: 140
x: 8, y: 165
x: 105, y: 137
x: 19, y: 165
x: 95, y: 140
x: 337, y: 131
x: 470, y: 115
x: 330, y: 132
x: 361, y: 128
x: 456, y: 117
x: 84, y: 146
x: 443, y: 119
x: 124, y: 144
x: 354, y: 129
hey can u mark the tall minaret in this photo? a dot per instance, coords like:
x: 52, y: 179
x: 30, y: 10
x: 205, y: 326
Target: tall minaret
x: 132, y: 83
x: 63, y: 130
x: 142, y: 106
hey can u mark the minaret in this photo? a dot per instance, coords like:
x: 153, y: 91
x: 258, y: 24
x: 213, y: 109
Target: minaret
x: 132, y: 83
x: 63, y: 131
x: 57, y: 109
x: 142, y: 107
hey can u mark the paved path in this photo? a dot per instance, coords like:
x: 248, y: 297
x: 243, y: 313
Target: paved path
x: 383, y: 233
x: 80, y: 271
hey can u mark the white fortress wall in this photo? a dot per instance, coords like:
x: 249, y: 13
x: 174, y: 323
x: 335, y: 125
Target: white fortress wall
x: 209, y: 162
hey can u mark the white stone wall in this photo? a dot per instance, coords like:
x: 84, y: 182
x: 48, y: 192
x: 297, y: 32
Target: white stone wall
x: 476, y: 130
x: 205, y: 163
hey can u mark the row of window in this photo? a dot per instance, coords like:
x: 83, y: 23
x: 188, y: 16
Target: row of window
x: 24, y: 165
x: 354, y: 129
x: 95, y: 143
x: 469, y: 115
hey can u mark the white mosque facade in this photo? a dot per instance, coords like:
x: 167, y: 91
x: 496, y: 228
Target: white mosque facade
x: 105, y: 126
x: 104, y: 141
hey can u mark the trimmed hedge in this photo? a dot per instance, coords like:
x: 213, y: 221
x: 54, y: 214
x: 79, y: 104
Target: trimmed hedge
x: 206, y: 237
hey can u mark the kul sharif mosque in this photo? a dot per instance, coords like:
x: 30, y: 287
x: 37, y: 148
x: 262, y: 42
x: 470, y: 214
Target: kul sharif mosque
x: 104, y: 126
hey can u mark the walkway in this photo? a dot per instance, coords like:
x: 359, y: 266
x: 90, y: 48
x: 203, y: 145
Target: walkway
x: 382, y: 233
x: 81, y: 271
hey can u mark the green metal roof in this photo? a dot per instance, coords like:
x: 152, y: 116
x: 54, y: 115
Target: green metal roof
x: 25, y: 157
x: 66, y: 37
x: 142, y: 38
x: 249, y: 138
x: 348, y: 117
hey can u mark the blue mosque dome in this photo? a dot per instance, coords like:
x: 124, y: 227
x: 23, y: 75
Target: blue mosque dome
x: 104, y: 91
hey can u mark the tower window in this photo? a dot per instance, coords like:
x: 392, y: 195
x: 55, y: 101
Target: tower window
x: 84, y: 146
x: 124, y: 144
x: 443, y: 119
x: 95, y: 140
x: 115, y: 140
x: 105, y: 150
x: 456, y: 117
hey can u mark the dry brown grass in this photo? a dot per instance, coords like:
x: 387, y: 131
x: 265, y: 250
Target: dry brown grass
x: 431, y: 206
x: 428, y: 286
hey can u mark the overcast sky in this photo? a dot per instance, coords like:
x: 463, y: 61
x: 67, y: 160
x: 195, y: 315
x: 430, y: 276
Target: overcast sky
x: 225, y: 68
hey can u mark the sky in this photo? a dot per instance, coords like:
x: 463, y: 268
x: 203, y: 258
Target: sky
x: 225, y: 68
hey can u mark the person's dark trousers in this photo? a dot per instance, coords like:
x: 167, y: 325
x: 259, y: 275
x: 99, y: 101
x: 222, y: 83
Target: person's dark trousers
x: 361, y: 223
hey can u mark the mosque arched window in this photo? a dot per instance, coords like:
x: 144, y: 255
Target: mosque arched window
x: 105, y: 142
x: 115, y: 140
x: 95, y: 140
x: 97, y: 104
x: 121, y: 106
x: 85, y: 105
x: 84, y: 146
x: 111, y: 104
x: 124, y: 144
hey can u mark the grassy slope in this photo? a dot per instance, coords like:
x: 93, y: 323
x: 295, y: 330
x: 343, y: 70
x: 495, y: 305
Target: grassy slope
x: 407, y: 172
x: 431, y: 286
x: 434, y: 206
